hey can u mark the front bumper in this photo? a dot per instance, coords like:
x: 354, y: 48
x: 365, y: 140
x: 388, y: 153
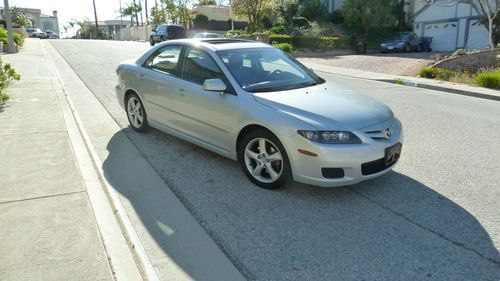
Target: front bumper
x: 348, y: 157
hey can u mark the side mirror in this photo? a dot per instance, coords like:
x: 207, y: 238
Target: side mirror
x: 214, y: 85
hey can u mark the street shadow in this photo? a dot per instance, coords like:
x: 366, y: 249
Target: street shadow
x: 3, y: 106
x: 379, y: 229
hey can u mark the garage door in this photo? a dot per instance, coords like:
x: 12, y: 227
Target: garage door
x: 478, y: 36
x: 444, y: 35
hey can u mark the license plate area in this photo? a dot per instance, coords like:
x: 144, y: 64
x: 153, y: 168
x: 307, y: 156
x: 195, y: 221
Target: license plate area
x: 392, y: 154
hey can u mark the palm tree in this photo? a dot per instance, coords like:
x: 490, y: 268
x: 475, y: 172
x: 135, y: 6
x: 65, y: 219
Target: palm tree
x: 96, y: 24
x: 131, y: 10
x: 135, y: 9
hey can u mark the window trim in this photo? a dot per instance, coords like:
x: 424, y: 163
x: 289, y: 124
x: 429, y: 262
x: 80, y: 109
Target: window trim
x: 229, y: 86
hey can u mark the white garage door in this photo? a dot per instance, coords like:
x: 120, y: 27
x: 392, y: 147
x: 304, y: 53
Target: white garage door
x: 444, y: 35
x: 478, y: 36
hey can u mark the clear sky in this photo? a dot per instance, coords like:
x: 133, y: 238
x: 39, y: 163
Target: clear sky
x: 78, y: 9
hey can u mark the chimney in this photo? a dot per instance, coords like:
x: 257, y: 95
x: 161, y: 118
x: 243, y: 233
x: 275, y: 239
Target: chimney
x: 54, y: 13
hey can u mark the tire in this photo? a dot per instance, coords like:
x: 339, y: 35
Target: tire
x: 271, y: 168
x: 406, y: 48
x: 151, y: 41
x: 136, y: 113
x: 162, y: 38
x: 419, y: 48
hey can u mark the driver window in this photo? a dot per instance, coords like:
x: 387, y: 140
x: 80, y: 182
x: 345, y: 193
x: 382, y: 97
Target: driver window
x: 167, y: 60
x: 199, y: 66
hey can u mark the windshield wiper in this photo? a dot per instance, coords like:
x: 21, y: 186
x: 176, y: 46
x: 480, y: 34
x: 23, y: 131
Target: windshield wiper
x: 300, y: 85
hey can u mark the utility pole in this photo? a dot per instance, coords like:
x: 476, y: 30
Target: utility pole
x: 12, y: 47
x: 231, y: 14
x: 121, y: 15
x: 146, y: 8
x: 96, y: 24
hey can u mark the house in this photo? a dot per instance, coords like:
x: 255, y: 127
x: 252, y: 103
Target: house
x: 110, y: 27
x: 452, y: 25
x: 39, y: 20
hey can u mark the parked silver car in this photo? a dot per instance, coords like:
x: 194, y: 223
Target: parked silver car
x: 253, y: 103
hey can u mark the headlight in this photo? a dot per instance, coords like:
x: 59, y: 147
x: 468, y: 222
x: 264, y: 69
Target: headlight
x: 333, y: 137
x: 401, y: 43
x: 382, y: 45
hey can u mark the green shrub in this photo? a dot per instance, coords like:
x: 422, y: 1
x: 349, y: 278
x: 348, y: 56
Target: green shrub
x: 284, y: 47
x: 18, y: 39
x: 200, y: 21
x: 306, y: 42
x: 300, y: 22
x: 437, y: 73
x: 279, y: 29
x: 7, y: 75
x: 459, y: 52
x: 237, y: 33
x: 489, y: 79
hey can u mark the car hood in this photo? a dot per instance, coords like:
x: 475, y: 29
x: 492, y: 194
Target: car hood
x: 327, y: 106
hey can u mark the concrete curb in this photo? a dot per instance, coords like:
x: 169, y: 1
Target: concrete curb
x: 107, y: 215
x: 437, y: 88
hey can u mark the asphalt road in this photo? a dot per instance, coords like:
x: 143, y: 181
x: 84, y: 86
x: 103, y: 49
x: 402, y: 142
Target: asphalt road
x: 436, y: 217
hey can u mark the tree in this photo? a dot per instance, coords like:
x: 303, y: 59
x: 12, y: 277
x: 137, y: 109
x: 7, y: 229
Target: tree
x: 207, y: 2
x: 488, y: 10
x: 18, y: 18
x: 252, y: 9
x: 96, y: 24
x: 286, y: 10
x: 131, y: 10
x: 183, y: 12
x: 365, y: 14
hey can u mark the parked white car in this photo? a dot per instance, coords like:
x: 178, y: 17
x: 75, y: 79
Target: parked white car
x: 255, y: 104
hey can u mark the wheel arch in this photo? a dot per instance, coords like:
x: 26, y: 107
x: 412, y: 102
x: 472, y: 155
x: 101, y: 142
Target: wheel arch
x: 249, y: 128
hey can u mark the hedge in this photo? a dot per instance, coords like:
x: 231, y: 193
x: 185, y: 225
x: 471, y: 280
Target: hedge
x: 489, y: 79
x: 306, y: 42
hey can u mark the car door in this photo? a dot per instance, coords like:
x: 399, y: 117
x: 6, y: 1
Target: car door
x: 205, y: 115
x: 161, y: 78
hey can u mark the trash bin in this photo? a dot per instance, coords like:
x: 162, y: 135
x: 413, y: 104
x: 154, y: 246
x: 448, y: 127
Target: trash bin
x: 425, y: 44
x: 360, y: 47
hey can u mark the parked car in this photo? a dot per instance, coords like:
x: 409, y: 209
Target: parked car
x: 165, y: 32
x: 253, y: 103
x: 51, y: 34
x: 36, y: 33
x: 402, y: 42
x: 207, y: 35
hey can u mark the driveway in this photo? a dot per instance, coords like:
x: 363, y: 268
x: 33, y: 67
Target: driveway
x: 407, y: 64
x: 435, y: 217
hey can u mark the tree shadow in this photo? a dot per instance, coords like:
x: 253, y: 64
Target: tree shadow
x: 393, y: 227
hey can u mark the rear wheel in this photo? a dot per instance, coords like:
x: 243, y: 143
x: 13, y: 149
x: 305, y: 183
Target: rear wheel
x: 136, y: 113
x: 264, y: 160
x: 406, y: 48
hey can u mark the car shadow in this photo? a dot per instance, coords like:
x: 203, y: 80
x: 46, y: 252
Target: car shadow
x: 392, y: 227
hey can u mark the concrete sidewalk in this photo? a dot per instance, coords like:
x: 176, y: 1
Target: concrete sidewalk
x: 449, y: 87
x: 48, y: 228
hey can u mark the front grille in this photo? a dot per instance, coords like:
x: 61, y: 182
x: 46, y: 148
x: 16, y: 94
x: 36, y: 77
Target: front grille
x: 332, y: 173
x: 374, y: 167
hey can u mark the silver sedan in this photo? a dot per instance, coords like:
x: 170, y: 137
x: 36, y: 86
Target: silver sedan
x: 253, y: 103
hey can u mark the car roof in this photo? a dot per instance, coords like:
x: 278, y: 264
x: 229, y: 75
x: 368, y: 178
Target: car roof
x: 220, y: 44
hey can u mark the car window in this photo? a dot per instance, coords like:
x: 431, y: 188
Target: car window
x: 175, y: 30
x: 166, y: 60
x: 199, y: 66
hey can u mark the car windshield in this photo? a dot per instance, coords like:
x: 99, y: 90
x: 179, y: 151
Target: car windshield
x: 399, y: 36
x: 175, y: 30
x: 267, y: 70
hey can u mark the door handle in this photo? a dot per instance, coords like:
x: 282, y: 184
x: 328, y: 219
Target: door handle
x: 181, y: 92
x: 139, y: 75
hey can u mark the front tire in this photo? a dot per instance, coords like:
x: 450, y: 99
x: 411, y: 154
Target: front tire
x: 136, y: 113
x: 264, y: 160
x: 151, y: 41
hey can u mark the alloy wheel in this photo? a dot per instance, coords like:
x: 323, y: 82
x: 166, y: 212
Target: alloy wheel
x: 135, y: 112
x: 263, y: 160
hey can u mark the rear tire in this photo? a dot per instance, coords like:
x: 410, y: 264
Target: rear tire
x: 136, y: 113
x: 264, y: 160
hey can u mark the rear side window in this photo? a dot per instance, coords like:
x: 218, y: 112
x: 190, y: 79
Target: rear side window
x: 166, y: 60
x: 175, y: 30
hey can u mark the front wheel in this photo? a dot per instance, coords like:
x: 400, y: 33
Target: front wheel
x: 264, y: 160
x: 151, y: 41
x: 407, y: 48
x: 136, y: 113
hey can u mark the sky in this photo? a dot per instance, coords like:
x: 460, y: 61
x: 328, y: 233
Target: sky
x: 77, y: 9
